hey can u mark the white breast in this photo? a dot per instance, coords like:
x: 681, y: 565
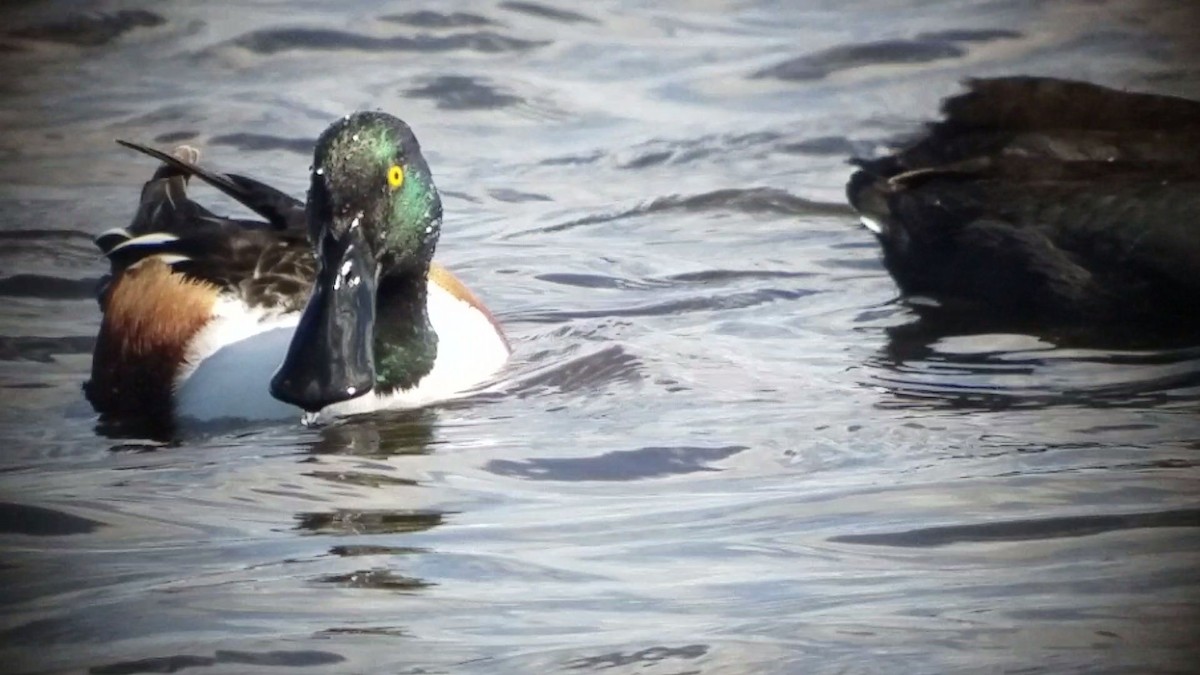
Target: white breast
x: 469, y: 352
x: 231, y: 361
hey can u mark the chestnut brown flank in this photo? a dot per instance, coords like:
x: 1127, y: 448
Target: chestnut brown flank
x: 151, y: 315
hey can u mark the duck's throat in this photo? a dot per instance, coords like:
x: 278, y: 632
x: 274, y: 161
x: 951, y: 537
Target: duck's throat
x: 405, y: 343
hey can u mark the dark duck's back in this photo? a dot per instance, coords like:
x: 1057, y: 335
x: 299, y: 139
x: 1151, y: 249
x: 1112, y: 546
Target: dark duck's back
x: 1046, y: 199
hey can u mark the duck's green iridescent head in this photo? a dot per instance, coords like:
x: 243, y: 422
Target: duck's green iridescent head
x: 368, y: 172
x: 373, y: 212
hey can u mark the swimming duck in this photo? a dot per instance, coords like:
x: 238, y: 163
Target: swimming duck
x: 331, y: 307
x: 1045, y: 199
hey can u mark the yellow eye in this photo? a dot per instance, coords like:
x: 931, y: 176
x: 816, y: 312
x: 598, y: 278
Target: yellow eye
x: 395, y: 177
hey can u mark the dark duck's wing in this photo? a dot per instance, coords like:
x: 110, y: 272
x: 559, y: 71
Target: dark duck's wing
x: 1047, y: 199
x: 266, y: 264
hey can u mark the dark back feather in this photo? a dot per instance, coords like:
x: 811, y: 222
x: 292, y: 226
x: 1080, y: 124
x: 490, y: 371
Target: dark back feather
x: 265, y: 263
x: 1045, y: 197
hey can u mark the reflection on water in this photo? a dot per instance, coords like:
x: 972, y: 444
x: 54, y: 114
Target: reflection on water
x: 345, y: 521
x: 616, y: 465
x: 35, y: 521
x: 722, y: 445
x: 960, y: 364
x: 924, y: 48
x: 1025, y: 530
x: 172, y: 664
x: 398, y: 432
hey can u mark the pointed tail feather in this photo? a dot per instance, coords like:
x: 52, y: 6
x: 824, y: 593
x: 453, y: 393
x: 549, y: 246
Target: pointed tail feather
x: 280, y: 209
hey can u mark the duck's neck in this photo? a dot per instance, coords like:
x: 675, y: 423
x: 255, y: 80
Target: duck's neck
x: 405, y: 343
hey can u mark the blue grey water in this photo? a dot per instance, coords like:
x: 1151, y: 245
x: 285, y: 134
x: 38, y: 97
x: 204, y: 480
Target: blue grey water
x: 722, y: 445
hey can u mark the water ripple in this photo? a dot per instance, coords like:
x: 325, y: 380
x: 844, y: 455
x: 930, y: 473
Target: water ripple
x: 43, y: 349
x: 256, y: 142
x: 432, y: 19
x: 278, y: 40
x: 459, y: 92
x: 1025, y: 530
x: 998, y: 371
x: 675, y: 152
x: 618, y: 465
x: 172, y: 664
x: 356, y: 521
x: 48, y: 287
x: 642, y: 658
x: 589, y: 371
x: 741, y: 200
x: 547, y: 12
x: 43, y: 234
x: 377, y: 579
x: 356, y: 550
x: 708, y: 303
x: 91, y: 29
x: 932, y: 46
x: 38, y: 521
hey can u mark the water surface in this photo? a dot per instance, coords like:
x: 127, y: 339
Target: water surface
x: 722, y: 445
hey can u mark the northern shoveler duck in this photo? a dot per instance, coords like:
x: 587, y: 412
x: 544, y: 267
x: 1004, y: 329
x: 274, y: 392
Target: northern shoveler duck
x: 1046, y: 199
x: 209, y: 318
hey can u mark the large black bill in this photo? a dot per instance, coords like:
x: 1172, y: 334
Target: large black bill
x: 331, y: 358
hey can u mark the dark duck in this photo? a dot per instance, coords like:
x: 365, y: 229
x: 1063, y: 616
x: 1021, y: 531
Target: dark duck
x: 1046, y: 200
